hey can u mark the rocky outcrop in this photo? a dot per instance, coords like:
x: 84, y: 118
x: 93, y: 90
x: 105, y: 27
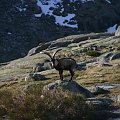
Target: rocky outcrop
x: 84, y: 65
x: 117, y: 33
x: 100, y: 103
x: 115, y: 56
x: 104, y: 60
x: 103, y: 108
x: 67, y: 85
x: 35, y: 77
x: 97, y: 90
x: 42, y: 66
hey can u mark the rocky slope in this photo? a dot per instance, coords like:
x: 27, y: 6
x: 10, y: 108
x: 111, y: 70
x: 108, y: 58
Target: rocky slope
x: 98, y: 72
x: 24, y: 24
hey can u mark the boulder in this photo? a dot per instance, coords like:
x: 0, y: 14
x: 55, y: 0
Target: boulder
x: 103, y: 60
x: 102, y: 107
x: 83, y: 65
x: 105, y: 57
x: 108, y: 55
x: 97, y: 90
x: 94, y: 64
x: 42, y: 66
x: 38, y: 67
x: 67, y: 85
x: 35, y: 77
x: 117, y: 33
x: 116, y: 98
x: 115, y: 56
x: 99, y: 103
x: 104, y: 65
x: 47, y: 66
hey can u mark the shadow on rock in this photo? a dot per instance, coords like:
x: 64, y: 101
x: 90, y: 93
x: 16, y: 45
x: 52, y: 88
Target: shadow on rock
x: 35, y: 77
x: 97, y: 90
x: 67, y: 85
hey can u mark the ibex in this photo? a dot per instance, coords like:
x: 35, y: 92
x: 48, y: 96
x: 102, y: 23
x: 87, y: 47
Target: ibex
x: 63, y: 64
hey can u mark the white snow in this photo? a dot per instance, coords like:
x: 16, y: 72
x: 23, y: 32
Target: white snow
x: 21, y: 9
x: 38, y: 15
x: 9, y: 33
x: 83, y: 1
x: 59, y: 19
x: 62, y: 10
x: 72, y: 0
x: 108, y: 1
x: 109, y: 86
x: 112, y: 29
x: 45, y: 8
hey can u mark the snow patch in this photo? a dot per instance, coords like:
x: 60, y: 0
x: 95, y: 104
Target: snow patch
x: 45, y: 7
x: 112, y: 29
x: 109, y: 86
x: 21, y: 9
x: 83, y: 1
x: 38, y: 15
x: 60, y: 20
x: 9, y: 33
x: 108, y: 1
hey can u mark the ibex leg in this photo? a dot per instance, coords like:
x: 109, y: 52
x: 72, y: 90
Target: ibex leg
x: 61, y: 75
x: 72, y: 74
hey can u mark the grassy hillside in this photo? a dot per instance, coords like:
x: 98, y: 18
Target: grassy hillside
x: 18, y: 94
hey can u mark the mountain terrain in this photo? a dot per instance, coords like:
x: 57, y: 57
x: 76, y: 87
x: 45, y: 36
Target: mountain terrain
x: 26, y: 23
x: 25, y: 82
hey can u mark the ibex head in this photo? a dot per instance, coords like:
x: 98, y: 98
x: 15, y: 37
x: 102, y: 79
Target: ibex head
x: 53, y: 56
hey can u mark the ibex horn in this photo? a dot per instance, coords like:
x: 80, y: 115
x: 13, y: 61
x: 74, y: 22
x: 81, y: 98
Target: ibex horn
x: 55, y: 53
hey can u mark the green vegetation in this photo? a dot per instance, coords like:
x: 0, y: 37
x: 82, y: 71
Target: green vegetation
x: 93, y: 53
x: 118, y: 48
x: 33, y: 104
x: 24, y: 100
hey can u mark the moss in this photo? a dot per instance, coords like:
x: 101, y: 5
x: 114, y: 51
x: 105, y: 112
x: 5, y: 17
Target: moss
x: 93, y: 53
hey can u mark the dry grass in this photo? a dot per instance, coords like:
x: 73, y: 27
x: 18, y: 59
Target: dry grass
x: 17, y: 70
x: 99, y: 75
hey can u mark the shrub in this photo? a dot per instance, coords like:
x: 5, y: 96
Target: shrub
x: 5, y: 101
x: 64, y: 14
x: 54, y: 105
x: 3, y: 111
x: 57, y: 12
x: 5, y: 98
x: 93, y: 53
x: 51, y: 8
x: 62, y: 106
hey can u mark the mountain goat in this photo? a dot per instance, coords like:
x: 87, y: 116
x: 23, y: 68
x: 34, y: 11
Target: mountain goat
x: 62, y: 64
